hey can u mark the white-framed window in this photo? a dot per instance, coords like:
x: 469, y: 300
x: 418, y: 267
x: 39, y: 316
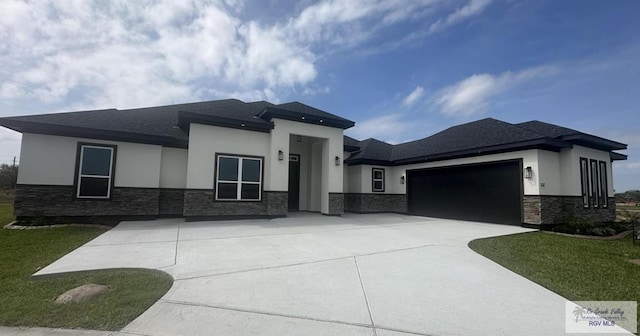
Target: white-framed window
x: 95, y: 169
x: 238, y: 178
x: 377, y: 179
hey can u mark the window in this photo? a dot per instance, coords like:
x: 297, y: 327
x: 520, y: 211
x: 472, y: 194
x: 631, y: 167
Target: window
x: 377, y: 179
x: 584, y: 181
x: 238, y: 178
x: 595, y: 188
x: 595, y: 184
x: 604, y: 187
x: 95, y: 169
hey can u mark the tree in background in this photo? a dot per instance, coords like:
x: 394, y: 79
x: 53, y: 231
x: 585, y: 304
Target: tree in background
x: 8, y: 176
x: 628, y: 196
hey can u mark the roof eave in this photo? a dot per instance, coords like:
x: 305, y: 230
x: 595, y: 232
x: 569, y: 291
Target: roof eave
x: 91, y: 133
x: 543, y: 143
x: 270, y: 112
x: 617, y: 156
x: 593, y: 141
x: 186, y: 118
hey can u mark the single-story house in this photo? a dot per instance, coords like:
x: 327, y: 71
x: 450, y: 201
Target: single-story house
x: 232, y: 159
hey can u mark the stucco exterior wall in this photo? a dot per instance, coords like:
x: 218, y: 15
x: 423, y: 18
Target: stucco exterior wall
x: 173, y: 168
x: 205, y: 141
x: 570, y: 169
x: 51, y: 160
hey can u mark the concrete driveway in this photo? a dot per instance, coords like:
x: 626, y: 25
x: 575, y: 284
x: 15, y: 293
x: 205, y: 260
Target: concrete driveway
x: 307, y: 274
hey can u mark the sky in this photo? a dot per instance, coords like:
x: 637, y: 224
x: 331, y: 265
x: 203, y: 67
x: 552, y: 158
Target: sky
x: 402, y: 70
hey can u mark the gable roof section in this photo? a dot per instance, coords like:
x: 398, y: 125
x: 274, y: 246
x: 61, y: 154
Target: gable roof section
x: 168, y: 125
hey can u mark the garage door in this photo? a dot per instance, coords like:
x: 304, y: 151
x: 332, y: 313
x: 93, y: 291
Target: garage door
x: 487, y: 192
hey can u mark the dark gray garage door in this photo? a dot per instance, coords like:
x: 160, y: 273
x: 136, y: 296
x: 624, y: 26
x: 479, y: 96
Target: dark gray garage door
x: 487, y: 192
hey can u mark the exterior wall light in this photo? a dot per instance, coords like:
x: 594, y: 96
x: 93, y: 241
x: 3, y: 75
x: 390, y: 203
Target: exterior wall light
x: 337, y: 160
x: 280, y: 155
x: 528, y: 172
x: 402, y: 179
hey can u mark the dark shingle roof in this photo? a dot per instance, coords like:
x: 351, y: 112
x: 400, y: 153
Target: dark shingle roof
x: 550, y: 130
x: 351, y: 144
x: 482, y: 133
x: 160, y: 124
x: 477, y: 138
x: 567, y: 134
x: 373, y: 150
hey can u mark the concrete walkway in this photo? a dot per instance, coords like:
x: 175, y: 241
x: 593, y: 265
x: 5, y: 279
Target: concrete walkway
x: 383, y: 274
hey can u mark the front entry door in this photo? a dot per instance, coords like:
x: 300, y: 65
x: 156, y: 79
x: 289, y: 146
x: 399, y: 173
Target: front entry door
x: 294, y: 182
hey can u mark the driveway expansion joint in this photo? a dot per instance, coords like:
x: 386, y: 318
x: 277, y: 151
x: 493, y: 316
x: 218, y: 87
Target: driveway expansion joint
x: 364, y: 292
x: 311, y: 262
x: 298, y: 317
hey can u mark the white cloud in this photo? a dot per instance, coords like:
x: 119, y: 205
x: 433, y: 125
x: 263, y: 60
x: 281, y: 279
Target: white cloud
x: 472, y: 95
x: 628, y: 165
x: 124, y: 53
x: 474, y: 7
x: 413, y: 97
x: 387, y: 128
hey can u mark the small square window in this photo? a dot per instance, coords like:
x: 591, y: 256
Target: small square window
x: 250, y: 191
x: 228, y: 169
x: 377, y: 180
x: 227, y: 191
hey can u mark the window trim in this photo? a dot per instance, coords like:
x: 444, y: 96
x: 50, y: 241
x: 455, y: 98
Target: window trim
x: 239, y: 182
x: 78, y: 174
x: 604, y: 185
x: 374, y: 180
x: 584, y: 177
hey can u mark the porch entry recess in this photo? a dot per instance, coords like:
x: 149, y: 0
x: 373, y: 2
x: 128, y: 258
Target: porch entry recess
x: 294, y: 182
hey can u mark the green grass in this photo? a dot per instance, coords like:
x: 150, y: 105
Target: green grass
x: 30, y: 303
x: 627, y: 207
x: 578, y: 269
x: 6, y: 213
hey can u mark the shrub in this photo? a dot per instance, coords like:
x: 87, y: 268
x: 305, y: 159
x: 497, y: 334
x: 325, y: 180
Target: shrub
x: 574, y: 225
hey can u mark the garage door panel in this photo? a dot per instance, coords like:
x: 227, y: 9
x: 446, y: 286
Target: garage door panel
x: 488, y: 192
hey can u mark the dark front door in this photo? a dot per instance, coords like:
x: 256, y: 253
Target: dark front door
x: 294, y: 182
x: 485, y: 192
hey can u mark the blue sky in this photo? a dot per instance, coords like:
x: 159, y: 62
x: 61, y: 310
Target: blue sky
x: 401, y: 69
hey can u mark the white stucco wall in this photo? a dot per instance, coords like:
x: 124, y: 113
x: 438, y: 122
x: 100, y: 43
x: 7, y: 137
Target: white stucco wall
x: 205, y: 141
x: 173, y: 168
x: 51, y: 160
x: 570, y: 168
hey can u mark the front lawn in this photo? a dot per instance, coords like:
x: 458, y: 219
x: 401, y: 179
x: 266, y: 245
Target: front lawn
x: 6, y: 214
x: 30, y: 303
x: 576, y: 268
